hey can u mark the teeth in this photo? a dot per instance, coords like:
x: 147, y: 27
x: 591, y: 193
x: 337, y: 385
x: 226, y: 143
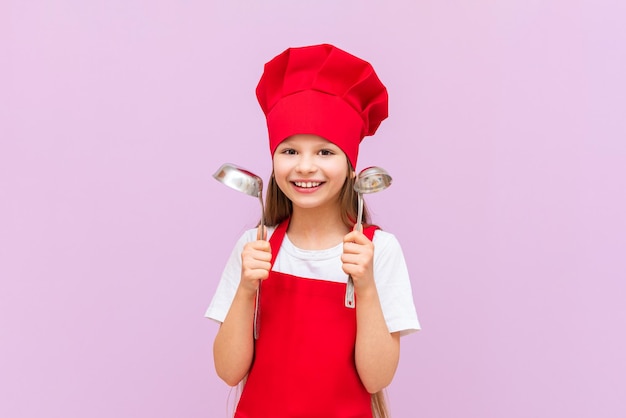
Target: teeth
x: 307, y: 184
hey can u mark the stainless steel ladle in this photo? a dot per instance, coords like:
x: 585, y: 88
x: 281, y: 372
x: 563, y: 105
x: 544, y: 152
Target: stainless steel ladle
x: 369, y: 180
x: 244, y: 181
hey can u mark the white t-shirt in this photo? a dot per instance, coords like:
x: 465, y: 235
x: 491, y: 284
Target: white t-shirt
x: 390, y: 274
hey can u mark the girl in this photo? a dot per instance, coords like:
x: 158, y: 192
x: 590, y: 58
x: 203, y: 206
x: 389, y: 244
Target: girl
x: 313, y: 354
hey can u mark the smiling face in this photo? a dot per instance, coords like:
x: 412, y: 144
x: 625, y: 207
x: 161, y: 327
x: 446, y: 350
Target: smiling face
x: 310, y: 171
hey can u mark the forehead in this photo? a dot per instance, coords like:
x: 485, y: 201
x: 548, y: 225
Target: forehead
x: 308, y: 140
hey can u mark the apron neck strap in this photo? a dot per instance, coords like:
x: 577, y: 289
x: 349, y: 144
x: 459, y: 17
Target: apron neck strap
x: 277, y: 237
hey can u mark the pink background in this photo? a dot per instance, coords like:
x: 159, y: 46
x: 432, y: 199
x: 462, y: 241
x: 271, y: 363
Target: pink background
x: 507, y: 143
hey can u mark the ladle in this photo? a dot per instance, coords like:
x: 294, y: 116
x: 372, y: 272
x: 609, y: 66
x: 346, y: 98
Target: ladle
x: 369, y: 180
x: 244, y: 181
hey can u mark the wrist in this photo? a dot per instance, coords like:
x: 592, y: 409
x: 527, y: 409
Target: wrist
x: 246, y: 292
x: 366, y: 292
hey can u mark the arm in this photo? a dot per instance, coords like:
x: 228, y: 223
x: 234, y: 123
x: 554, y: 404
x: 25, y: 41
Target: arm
x: 377, y: 351
x: 233, y: 349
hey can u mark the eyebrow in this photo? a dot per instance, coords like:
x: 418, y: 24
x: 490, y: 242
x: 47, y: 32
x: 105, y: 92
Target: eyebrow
x: 321, y: 144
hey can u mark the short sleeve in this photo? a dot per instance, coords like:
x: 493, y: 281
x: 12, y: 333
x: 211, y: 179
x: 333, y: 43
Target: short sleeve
x: 394, y: 285
x: 227, y: 287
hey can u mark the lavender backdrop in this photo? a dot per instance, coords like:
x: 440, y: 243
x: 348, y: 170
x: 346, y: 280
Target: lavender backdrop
x: 507, y: 143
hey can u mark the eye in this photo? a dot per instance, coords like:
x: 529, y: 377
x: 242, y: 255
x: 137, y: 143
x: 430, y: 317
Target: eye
x: 288, y: 151
x: 326, y: 152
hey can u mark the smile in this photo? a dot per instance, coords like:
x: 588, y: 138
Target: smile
x: 307, y: 184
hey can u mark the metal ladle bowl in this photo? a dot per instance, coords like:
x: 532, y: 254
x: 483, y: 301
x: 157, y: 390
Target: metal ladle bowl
x: 370, y: 180
x: 244, y: 181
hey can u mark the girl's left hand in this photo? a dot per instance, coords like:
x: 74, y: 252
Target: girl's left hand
x: 358, y: 258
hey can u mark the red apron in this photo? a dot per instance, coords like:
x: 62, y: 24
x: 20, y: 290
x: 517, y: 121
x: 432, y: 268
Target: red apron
x: 304, y: 363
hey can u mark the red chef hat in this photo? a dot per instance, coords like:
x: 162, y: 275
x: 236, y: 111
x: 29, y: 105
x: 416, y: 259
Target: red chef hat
x: 325, y: 91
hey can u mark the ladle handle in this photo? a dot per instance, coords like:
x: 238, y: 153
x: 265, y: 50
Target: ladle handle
x: 349, y: 299
x: 257, y: 316
x: 261, y: 234
x: 358, y: 226
x: 261, y: 231
x: 359, y: 219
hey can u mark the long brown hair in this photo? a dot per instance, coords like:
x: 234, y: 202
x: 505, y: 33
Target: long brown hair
x: 379, y: 405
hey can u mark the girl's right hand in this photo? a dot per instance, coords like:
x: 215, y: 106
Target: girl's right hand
x: 256, y: 260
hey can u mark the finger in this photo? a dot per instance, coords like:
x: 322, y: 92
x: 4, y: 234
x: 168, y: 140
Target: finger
x: 353, y: 259
x: 260, y: 245
x: 350, y: 236
x: 257, y: 248
x: 253, y: 273
x: 265, y: 256
x: 258, y: 274
x: 351, y: 247
x: 354, y: 270
x: 356, y: 236
x: 256, y: 264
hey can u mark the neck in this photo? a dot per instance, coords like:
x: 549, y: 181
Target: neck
x: 316, y: 229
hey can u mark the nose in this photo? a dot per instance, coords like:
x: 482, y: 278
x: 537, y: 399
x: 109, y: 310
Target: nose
x: 306, y: 164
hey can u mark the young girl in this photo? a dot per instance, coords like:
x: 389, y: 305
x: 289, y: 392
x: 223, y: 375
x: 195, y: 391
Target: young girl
x: 314, y: 354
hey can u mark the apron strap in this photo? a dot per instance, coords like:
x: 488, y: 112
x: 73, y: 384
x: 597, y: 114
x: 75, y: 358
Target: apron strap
x: 277, y: 237
x: 369, y: 231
